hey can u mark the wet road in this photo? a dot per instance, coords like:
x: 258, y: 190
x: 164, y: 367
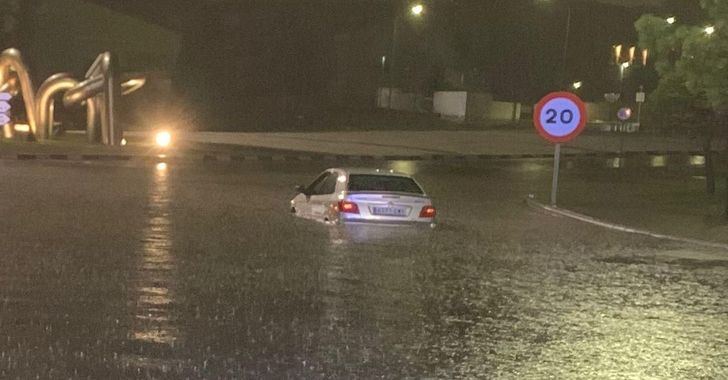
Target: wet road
x: 198, y: 271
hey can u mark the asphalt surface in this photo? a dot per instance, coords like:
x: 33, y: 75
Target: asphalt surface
x: 151, y: 270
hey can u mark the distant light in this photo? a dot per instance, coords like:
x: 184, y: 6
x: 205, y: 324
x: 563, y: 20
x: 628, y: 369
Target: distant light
x: 577, y: 85
x: 162, y: 166
x: 617, y: 53
x: 615, y: 163
x: 342, y: 178
x: 658, y: 161
x: 163, y: 139
x: 697, y: 160
x: 625, y: 65
x: 709, y: 30
x: 417, y: 9
x: 671, y: 20
x: 384, y: 60
x: 22, y: 128
x: 123, y: 142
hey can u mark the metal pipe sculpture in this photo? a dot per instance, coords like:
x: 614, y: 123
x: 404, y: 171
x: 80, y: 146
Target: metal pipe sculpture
x: 99, y: 92
x: 11, y: 59
x: 45, y: 101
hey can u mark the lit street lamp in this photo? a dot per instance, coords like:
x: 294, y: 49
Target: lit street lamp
x: 577, y: 85
x: 416, y: 10
x: 709, y: 30
x: 670, y: 20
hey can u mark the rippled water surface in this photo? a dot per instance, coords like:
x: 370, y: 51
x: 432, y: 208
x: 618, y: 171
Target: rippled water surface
x: 174, y: 271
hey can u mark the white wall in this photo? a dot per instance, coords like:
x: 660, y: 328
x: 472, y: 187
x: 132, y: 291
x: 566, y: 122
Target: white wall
x: 450, y: 104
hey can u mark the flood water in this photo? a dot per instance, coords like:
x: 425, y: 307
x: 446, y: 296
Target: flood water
x: 150, y: 270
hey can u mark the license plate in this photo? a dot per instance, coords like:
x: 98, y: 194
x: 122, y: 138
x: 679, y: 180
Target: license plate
x: 389, y: 211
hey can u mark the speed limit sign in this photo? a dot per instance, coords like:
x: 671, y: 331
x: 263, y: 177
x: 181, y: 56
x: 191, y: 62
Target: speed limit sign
x: 559, y: 117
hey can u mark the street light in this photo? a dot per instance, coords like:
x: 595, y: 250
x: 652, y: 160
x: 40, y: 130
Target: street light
x: 709, y: 30
x: 577, y: 85
x: 416, y: 10
x: 671, y: 20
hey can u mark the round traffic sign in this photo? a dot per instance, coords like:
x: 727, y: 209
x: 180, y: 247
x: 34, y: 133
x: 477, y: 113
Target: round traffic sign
x: 559, y: 116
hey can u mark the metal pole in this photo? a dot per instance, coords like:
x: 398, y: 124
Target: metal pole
x: 555, y: 180
x: 639, y: 113
x: 391, y: 59
x: 564, y: 59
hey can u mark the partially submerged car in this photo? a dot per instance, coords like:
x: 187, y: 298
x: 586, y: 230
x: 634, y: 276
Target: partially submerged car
x: 364, y: 196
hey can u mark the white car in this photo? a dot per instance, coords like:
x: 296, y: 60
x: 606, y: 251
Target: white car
x: 363, y: 195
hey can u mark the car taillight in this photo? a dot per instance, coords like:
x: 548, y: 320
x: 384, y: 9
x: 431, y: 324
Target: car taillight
x: 428, y: 212
x: 348, y: 207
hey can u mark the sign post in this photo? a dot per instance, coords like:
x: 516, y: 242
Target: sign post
x: 559, y: 117
x: 640, y: 98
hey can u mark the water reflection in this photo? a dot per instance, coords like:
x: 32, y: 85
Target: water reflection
x: 154, y: 285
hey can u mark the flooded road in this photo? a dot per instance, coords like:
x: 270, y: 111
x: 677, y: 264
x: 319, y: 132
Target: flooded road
x: 151, y: 270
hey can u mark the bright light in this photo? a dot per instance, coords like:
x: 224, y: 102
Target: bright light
x: 163, y: 139
x: 658, y: 161
x: 24, y: 128
x: 625, y: 65
x: 417, y: 9
x: 617, y: 53
x: 709, y: 30
x: 671, y: 20
x: 577, y: 85
x: 697, y: 160
x: 123, y: 142
x: 162, y: 166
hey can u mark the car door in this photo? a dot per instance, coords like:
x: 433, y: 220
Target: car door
x: 303, y: 200
x: 323, y: 197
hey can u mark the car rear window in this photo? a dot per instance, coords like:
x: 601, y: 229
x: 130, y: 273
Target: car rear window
x: 370, y: 182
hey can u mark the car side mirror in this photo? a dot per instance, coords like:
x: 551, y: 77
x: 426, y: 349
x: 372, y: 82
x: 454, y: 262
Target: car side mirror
x: 300, y: 189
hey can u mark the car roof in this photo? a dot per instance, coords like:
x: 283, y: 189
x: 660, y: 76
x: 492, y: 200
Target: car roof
x: 370, y: 171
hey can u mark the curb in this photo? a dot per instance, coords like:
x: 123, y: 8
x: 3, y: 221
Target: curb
x: 209, y: 157
x: 554, y: 210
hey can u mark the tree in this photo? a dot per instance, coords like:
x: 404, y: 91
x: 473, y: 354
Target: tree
x: 692, y: 64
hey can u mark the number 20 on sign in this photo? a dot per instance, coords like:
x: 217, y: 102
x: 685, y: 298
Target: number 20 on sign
x: 559, y: 117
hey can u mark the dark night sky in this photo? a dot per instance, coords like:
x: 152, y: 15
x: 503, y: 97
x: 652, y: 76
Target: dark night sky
x: 285, y: 47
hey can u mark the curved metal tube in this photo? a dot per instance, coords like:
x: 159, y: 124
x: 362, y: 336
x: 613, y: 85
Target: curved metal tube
x: 100, y: 91
x: 44, y: 100
x: 83, y: 90
x: 131, y: 83
x: 92, y: 115
x: 11, y: 59
x: 94, y: 86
